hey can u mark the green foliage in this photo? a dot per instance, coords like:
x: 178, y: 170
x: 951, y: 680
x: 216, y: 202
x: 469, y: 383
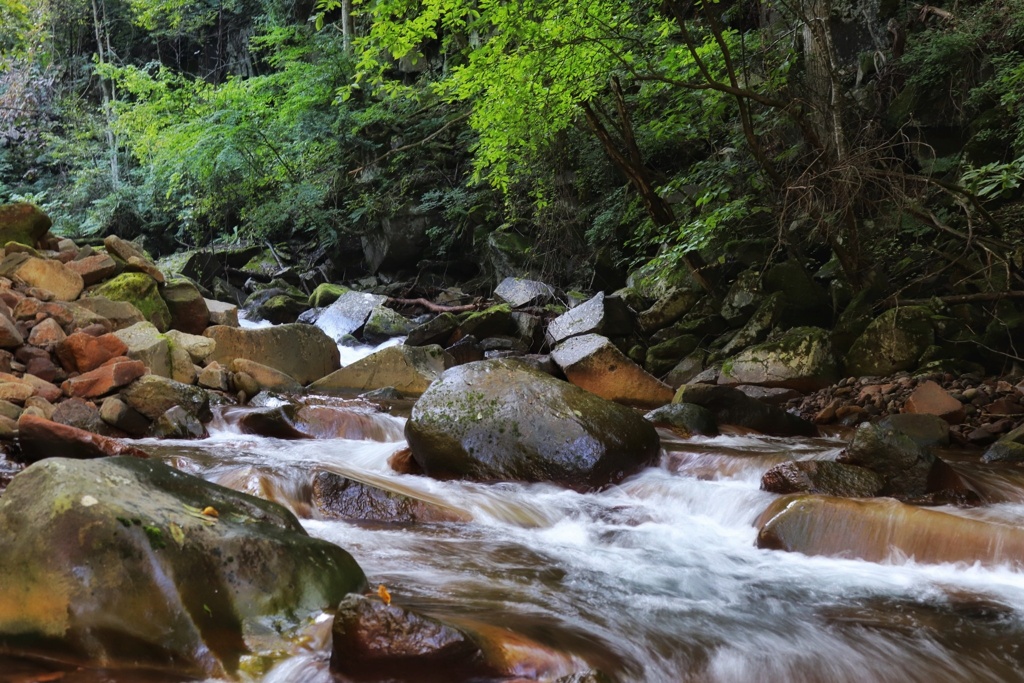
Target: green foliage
x: 995, y: 180
x: 252, y: 153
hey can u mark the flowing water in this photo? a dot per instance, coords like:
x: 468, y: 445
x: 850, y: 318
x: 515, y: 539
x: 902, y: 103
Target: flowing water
x: 657, y: 579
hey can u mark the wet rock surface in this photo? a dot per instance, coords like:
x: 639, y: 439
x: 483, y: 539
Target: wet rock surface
x: 505, y: 421
x: 180, y: 571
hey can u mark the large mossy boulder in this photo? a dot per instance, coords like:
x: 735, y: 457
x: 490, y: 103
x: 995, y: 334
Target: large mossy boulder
x: 502, y: 420
x: 122, y: 562
x: 23, y: 223
x: 893, y: 341
x: 799, y: 359
x: 140, y: 290
x: 302, y: 351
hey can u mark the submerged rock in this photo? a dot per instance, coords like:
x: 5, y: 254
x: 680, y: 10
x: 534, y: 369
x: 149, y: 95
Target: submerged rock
x: 877, y: 530
x: 502, y: 420
x: 336, y: 497
x: 126, y: 563
x: 374, y: 641
x: 822, y: 476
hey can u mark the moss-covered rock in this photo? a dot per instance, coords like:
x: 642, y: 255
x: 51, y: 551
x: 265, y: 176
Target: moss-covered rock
x: 743, y: 297
x: 141, y: 291
x: 893, y: 341
x: 383, y: 324
x: 496, y: 320
x: 326, y: 294
x: 806, y: 302
x: 686, y: 419
x: 409, y: 369
x: 799, y: 359
x: 662, y: 357
x: 502, y: 420
x: 23, y: 223
x: 122, y: 562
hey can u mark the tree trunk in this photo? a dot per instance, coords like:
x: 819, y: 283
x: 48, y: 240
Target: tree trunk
x: 109, y: 93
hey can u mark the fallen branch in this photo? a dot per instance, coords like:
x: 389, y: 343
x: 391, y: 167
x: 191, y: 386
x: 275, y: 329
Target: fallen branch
x: 435, y: 308
x: 955, y: 299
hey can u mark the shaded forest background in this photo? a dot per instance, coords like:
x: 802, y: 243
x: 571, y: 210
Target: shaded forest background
x: 578, y: 139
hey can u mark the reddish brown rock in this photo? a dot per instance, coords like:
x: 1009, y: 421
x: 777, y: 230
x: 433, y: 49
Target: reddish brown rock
x: 140, y: 265
x: 104, y: 379
x: 189, y: 311
x: 10, y: 335
x: 31, y: 308
x: 94, y: 269
x: 45, y: 369
x: 39, y: 386
x: 40, y: 438
x: 931, y: 399
x: 122, y: 249
x: 46, y: 334
x: 81, y: 352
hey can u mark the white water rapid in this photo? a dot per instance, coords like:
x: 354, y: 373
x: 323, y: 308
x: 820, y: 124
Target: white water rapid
x: 656, y: 580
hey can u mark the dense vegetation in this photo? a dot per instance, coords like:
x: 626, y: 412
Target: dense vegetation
x: 592, y: 135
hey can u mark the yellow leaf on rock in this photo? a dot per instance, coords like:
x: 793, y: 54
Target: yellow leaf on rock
x: 210, y: 511
x: 382, y: 591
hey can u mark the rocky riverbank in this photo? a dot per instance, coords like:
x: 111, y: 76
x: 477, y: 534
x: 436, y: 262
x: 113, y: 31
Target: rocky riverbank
x: 101, y: 346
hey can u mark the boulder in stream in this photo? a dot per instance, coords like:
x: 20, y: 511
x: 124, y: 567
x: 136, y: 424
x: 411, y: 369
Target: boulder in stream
x: 127, y: 563
x: 502, y: 420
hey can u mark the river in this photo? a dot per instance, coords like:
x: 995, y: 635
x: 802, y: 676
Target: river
x: 655, y: 580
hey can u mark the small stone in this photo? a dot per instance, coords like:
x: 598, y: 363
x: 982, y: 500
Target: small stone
x: 215, y: 376
x: 931, y: 399
x: 47, y: 334
x: 119, y: 414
